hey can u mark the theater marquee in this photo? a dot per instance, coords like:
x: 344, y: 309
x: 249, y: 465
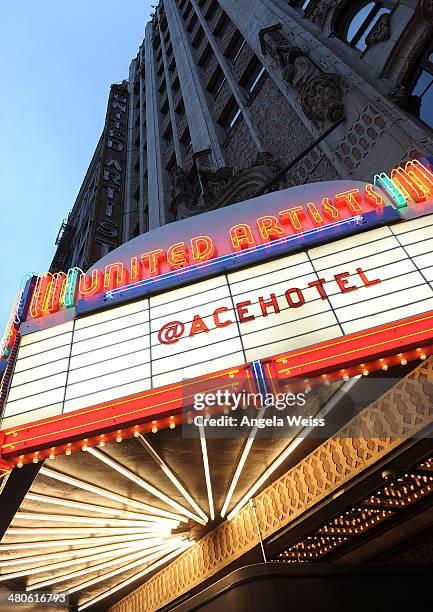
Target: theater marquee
x: 272, y: 280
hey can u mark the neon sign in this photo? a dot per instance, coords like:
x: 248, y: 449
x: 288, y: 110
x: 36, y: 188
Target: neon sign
x: 413, y: 182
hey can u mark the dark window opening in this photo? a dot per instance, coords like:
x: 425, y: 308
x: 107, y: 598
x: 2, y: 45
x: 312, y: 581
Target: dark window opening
x: 236, y: 47
x: 205, y: 56
x: 362, y: 20
x: 186, y: 142
x: 253, y: 75
x: 231, y: 115
x: 217, y: 82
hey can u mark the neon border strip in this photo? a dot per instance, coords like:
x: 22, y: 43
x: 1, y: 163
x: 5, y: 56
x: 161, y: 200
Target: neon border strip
x: 353, y: 349
x: 111, y: 416
x: 225, y: 262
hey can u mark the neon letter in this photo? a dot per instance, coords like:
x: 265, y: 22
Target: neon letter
x: 115, y: 276
x: 48, y: 291
x: 87, y: 289
x: 54, y: 293
x: 350, y: 198
x: 242, y: 237
x: 202, y: 248
x: 329, y: 210
x: 269, y: 228
x: 316, y: 217
x: 373, y: 197
x: 412, y: 181
x: 177, y: 255
x: 135, y: 270
x: 70, y: 292
x: 151, y: 260
x: 294, y: 216
x: 391, y: 188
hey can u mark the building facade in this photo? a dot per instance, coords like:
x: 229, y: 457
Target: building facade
x: 250, y: 220
x: 95, y: 224
x: 224, y: 96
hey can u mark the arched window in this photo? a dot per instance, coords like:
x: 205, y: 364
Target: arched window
x: 422, y: 94
x: 361, y: 20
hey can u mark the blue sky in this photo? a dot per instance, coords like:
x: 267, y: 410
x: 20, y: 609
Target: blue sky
x: 57, y: 62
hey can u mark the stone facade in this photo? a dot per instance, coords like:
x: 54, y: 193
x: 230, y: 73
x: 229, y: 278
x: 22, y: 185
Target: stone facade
x: 219, y: 86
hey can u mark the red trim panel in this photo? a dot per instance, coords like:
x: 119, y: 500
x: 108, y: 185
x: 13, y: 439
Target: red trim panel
x: 369, y: 346
x: 122, y: 417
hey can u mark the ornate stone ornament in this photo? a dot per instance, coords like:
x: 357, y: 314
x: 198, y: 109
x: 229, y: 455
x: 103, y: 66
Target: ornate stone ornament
x: 320, y: 94
x: 381, y: 31
x: 318, y: 12
x: 322, y: 98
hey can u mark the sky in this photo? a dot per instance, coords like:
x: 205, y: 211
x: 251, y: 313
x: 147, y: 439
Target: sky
x: 57, y: 61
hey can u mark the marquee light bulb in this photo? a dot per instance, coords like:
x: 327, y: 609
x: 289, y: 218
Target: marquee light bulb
x: 119, y: 438
x: 423, y: 356
x: 403, y: 362
x: 384, y: 367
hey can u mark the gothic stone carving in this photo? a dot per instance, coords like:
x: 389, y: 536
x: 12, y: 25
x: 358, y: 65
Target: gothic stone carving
x: 179, y: 191
x: 217, y: 189
x: 212, y: 183
x: 320, y: 94
x: 318, y: 12
x: 381, y: 31
x: 322, y: 98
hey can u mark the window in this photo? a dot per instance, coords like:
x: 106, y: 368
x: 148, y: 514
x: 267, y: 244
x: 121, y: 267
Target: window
x: 230, y: 117
x: 362, y: 20
x: 253, y: 76
x: 217, y: 82
x: 236, y: 47
x: 187, y: 142
x: 422, y: 99
x: 305, y: 4
x: 205, y: 57
x: 198, y: 38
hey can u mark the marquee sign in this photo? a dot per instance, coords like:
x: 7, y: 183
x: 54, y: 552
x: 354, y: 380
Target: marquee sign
x: 297, y: 299
x: 307, y: 213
